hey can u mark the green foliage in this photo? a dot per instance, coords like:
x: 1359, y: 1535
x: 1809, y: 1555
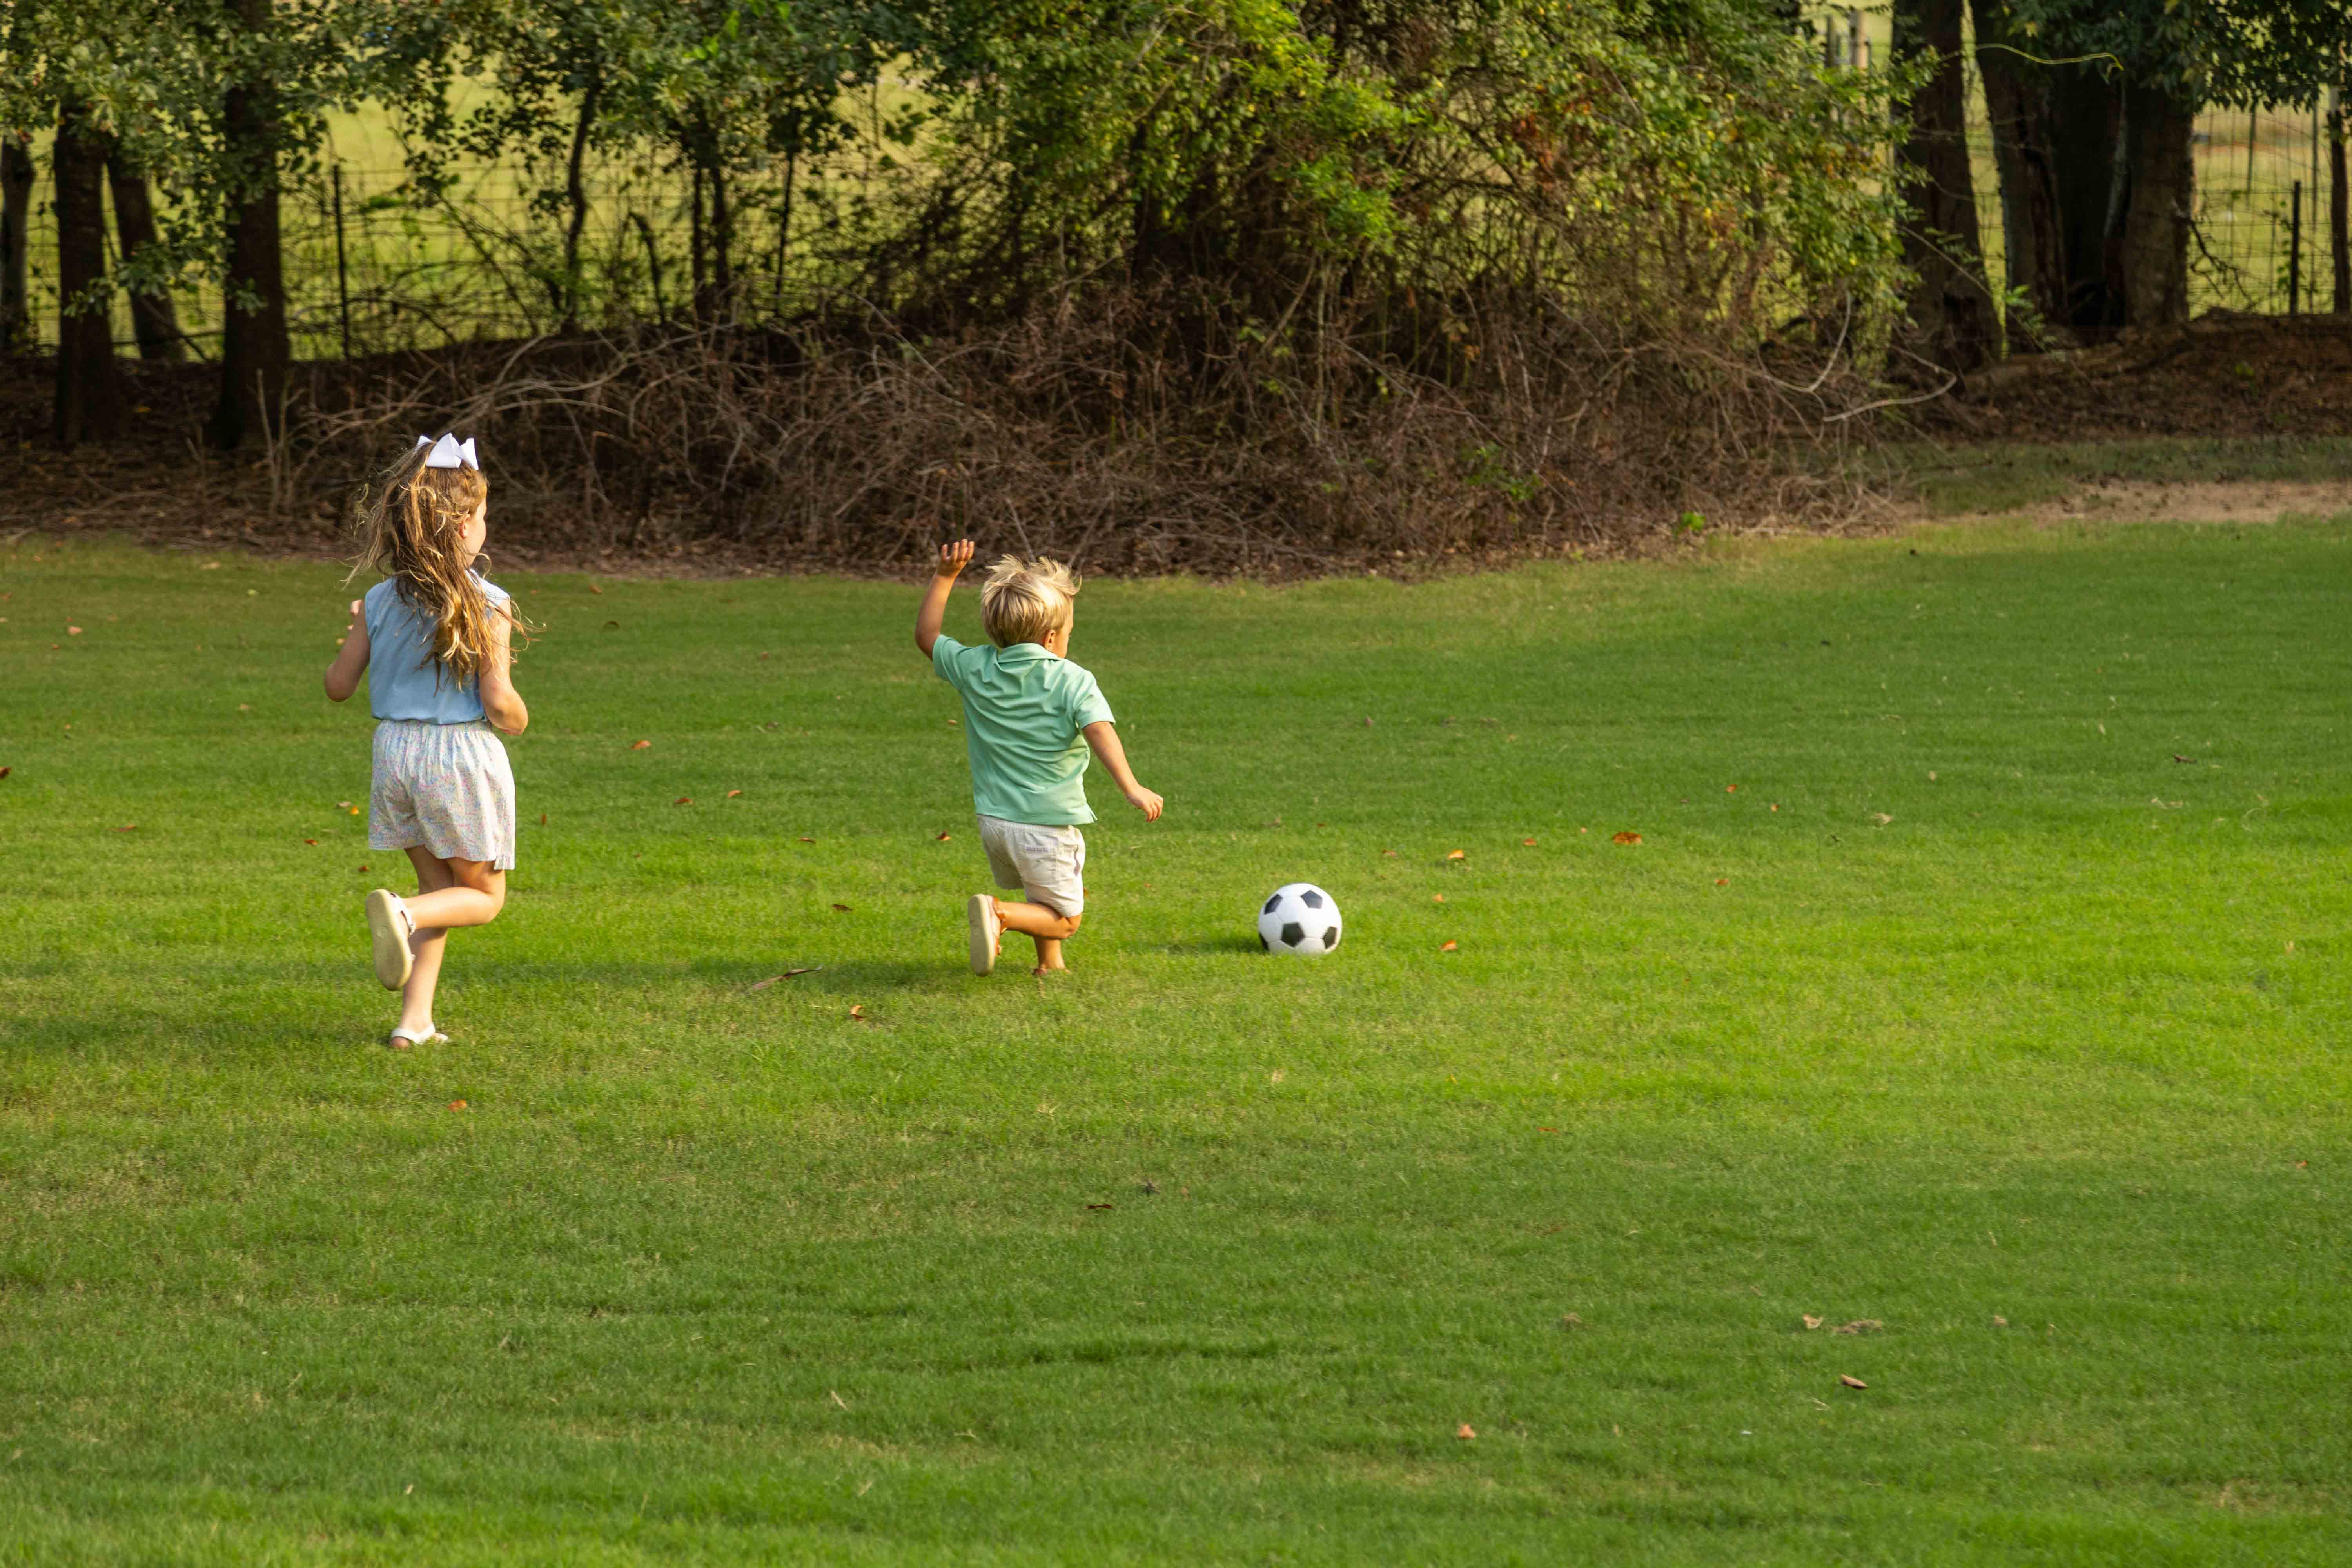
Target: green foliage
x: 2247, y: 53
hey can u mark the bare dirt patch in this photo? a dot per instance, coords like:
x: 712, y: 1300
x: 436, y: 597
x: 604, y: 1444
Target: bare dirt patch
x: 2152, y: 500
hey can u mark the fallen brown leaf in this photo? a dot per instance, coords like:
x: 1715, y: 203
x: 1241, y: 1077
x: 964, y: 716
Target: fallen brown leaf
x: 1731, y: 789
x: 1999, y: 1321
x: 683, y: 800
x: 806, y: 839
x: 309, y: 841
x: 6, y: 771
x: 1464, y: 1432
x: 1624, y: 836
x: 733, y: 793
x: 1881, y: 818
x: 1454, y: 854
x: 2178, y: 758
x: 362, y: 867
x: 73, y: 631
x: 342, y: 805
x: 542, y: 820
x: 1449, y: 947
x: 1546, y: 1129
x: 1099, y: 1205
x: 945, y: 836
x: 1528, y: 842
x: 1851, y: 1382
x: 128, y: 828
x: 456, y: 1105
x: 1859, y: 1326
x: 1723, y: 881
x: 593, y: 589
x: 841, y: 909
x: 1437, y: 897
x: 1570, y: 1320
x: 642, y: 746
x: 1810, y: 1320
x: 857, y: 1011
x: 787, y: 974
x: 1388, y: 854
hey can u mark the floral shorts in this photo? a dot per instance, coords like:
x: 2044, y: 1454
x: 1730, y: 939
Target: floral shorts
x: 445, y: 786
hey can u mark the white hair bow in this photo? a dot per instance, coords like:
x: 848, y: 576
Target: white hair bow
x: 449, y: 453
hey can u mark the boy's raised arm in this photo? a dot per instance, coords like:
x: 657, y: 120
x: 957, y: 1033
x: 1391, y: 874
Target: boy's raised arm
x: 954, y: 559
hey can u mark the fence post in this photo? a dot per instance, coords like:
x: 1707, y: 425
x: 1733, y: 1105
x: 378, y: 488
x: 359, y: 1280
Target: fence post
x: 342, y: 277
x: 2294, y: 251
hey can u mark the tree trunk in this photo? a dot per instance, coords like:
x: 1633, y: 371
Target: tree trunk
x: 2017, y: 102
x: 2338, y: 237
x: 1950, y: 304
x: 2086, y: 137
x: 696, y: 263
x: 90, y: 392
x: 722, y: 245
x: 2157, y: 129
x: 253, y: 351
x: 575, y: 192
x: 16, y: 238
x: 152, y: 320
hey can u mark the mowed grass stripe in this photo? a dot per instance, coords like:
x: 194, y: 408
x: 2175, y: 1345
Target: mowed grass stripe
x: 705, y: 1273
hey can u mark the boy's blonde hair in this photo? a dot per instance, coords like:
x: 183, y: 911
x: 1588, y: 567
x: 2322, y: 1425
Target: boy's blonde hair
x: 1024, y: 601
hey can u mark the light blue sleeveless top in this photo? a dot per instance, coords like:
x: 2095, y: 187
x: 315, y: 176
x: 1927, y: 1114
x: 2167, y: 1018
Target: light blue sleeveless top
x: 405, y: 680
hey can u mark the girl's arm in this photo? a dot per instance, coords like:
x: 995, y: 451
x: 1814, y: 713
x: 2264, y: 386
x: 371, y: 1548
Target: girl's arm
x: 351, y: 659
x: 954, y: 559
x: 501, y: 703
x: 1103, y: 736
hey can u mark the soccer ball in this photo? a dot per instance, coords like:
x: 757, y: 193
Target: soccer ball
x: 1300, y: 919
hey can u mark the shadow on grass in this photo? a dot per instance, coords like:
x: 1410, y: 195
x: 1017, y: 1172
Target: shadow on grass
x: 1205, y: 946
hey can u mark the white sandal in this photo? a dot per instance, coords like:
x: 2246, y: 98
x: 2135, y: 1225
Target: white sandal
x: 987, y: 931
x: 389, y: 925
x: 401, y: 1039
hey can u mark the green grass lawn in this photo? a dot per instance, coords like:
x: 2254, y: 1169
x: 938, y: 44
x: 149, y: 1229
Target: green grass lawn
x: 1984, y: 956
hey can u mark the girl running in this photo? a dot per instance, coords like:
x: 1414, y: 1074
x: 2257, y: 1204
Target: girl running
x: 437, y: 634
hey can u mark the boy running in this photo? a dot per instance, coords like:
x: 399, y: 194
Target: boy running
x: 1025, y: 708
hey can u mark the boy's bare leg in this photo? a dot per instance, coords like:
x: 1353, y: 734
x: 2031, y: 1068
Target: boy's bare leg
x: 1043, y: 924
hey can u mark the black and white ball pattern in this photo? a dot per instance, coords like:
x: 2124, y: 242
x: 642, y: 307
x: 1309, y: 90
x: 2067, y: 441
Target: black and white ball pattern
x: 1299, y: 918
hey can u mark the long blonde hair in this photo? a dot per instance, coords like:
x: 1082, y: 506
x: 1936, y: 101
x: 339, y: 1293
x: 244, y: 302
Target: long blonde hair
x: 408, y: 520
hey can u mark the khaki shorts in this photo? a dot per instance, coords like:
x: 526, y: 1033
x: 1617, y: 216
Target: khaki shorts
x: 1049, y: 864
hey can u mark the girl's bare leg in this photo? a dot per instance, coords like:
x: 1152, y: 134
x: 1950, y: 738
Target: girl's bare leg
x: 448, y: 893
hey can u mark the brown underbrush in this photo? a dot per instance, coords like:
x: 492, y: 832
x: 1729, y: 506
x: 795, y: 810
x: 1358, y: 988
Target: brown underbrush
x: 1130, y: 431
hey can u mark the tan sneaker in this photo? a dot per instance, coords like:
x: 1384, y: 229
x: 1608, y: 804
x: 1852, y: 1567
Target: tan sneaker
x: 987, y: 931
x: 389, y: 924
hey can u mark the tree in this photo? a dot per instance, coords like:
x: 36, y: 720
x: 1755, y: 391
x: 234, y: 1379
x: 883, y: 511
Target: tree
x: 89, y: 404
x: 253, y: 131
x: 146, y: 263
x: 15, y: 239
x: 2158, y: 63
x: 1951, y: 306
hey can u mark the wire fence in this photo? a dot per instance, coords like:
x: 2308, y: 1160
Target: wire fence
x: 376, y: 263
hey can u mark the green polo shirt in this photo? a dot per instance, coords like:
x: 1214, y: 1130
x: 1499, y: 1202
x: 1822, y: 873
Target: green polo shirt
x: 1023, y: 713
